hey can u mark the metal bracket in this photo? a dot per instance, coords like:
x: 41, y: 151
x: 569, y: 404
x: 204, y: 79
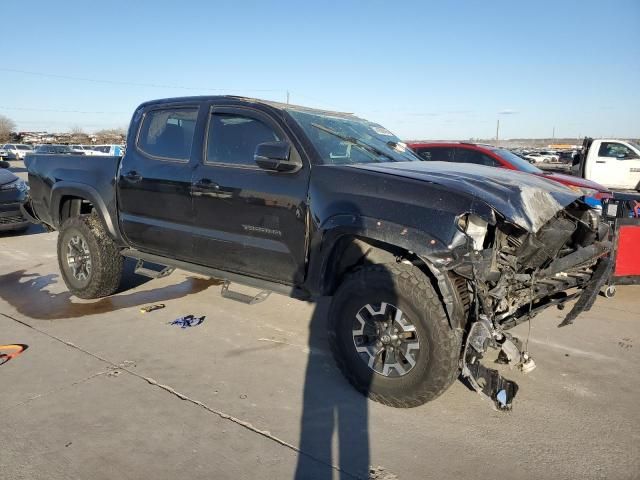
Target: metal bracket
x: 243, y: 298
x: 140, y: 269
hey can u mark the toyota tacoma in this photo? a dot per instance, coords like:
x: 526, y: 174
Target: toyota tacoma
x: 428, y: 264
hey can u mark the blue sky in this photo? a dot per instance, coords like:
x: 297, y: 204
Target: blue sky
x: 439, y: 70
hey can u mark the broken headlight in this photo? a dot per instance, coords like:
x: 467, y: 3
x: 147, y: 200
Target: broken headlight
x: 475, y: 228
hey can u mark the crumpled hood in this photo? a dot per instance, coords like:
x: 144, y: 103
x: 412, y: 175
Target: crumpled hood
x: 577, y: 181
x: 526, y: 200
x: 6, y: 176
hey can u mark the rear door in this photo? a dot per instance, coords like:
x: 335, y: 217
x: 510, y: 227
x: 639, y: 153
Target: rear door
x: 615, y: 165
x: 154, y: 182
x: 248, y: 220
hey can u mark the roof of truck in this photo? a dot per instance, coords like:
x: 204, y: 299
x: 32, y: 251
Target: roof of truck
x: 231, y: 99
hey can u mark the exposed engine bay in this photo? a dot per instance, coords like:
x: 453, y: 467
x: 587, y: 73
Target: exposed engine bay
x: 512, y: 275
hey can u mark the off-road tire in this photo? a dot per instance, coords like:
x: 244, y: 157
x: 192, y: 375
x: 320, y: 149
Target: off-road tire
x: 106, y: 261
x: 410, y: 290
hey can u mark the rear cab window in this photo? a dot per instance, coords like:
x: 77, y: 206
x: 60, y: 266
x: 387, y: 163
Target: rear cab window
x: 167, y: 133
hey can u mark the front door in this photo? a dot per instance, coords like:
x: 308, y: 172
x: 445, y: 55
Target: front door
x: 154, y: 183
x: 616, y: 166
x: 248, y: 220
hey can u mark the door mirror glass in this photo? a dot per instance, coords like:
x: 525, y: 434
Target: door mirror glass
x: 275, y: 156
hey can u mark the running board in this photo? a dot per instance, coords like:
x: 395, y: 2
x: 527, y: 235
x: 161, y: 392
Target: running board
x: 243, y: 298
x: 288, y: 290
x: 140, y: 269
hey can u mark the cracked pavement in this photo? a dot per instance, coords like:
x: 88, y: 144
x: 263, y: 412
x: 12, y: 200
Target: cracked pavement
x: 105, y: 391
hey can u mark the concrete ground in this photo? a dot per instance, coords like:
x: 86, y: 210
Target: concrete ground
x: 104, y: 391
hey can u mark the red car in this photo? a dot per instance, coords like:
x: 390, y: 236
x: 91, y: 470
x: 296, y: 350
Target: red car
x: 499, y: 157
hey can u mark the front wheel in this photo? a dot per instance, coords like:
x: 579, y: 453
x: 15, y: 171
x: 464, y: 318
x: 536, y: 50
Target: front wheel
x: 390, y: 335
x: 89, y: 260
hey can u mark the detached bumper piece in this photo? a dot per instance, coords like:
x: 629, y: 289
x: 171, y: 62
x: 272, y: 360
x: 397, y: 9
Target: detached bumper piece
x: 590, y: 293
x: 486, y: 381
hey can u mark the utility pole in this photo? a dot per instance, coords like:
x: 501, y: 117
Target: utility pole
x: 498, y: 133
x: 553, y: 135
x: 287, y: 97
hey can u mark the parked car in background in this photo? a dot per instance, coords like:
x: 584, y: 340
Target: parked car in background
x: 85, y: 149
x: 13, y: 192
x: 56, y: 149
x: 552, y: 155
x: 614, y: 163
x: 537, y: 157
x: 15, y: 151
x: 503, y: 158
x: 566, y: 156
x: 112, y: 150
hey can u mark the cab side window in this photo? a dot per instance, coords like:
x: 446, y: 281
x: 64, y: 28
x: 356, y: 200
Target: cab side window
x: 168, y: 133
x: 465, y: 155
x: 232, y: 138
x: 616, y: 150
x: 435, y: 154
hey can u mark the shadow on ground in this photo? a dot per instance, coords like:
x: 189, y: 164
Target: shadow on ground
x: 28, y: 293
x: 32, y: 230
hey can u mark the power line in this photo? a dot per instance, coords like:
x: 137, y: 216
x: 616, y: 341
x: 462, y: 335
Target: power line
x: 25, y: 109
x: 134, y: 84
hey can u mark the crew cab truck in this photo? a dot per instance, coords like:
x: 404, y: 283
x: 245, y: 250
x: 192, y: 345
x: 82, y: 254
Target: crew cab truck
x: 613, y: 163
x: 428, y: 263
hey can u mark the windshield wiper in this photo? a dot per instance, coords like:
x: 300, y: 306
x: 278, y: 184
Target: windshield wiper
x: 354, y: 141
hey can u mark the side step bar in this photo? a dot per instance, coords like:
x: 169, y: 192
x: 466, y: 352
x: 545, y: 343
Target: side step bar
x: 140, y: 269
x: 243, y: 298
x: 227, y: 277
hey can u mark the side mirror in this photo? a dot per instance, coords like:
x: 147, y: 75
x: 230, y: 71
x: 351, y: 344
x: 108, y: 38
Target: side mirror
x: 275, y: 157
x: 4, y: 164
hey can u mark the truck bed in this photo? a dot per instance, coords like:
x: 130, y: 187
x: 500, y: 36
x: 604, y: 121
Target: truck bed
x: 95, y: 175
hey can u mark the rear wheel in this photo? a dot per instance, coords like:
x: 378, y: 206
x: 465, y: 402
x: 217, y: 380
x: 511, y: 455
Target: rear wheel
x: 89, y: 260
x: 390, y: 335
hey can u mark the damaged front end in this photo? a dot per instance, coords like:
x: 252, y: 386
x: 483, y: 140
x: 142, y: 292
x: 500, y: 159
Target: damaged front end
x: 513, y: 273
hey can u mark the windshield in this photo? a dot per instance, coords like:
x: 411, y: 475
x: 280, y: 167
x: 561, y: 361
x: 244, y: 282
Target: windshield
x: 520, y: 163
x: 341, y: 140
x: 24, y: 147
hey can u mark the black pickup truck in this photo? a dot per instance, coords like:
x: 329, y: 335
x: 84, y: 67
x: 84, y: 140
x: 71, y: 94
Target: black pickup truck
x: 428, y: 263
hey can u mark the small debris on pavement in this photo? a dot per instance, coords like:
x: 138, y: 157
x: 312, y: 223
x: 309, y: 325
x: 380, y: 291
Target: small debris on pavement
x: 151, y: 308
x: 379, y: 473
x: 188, y: 321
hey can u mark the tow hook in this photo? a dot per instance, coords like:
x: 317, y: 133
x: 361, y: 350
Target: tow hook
x: 486, y: 381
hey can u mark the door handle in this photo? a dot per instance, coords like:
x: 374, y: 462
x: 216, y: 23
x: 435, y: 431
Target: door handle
x: 204, y: 187
x: 207, y: 184
x: 601, y: 161
x: 133, y: 176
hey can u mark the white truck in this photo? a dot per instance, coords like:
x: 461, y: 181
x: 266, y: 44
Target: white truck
x: 610, y: 162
